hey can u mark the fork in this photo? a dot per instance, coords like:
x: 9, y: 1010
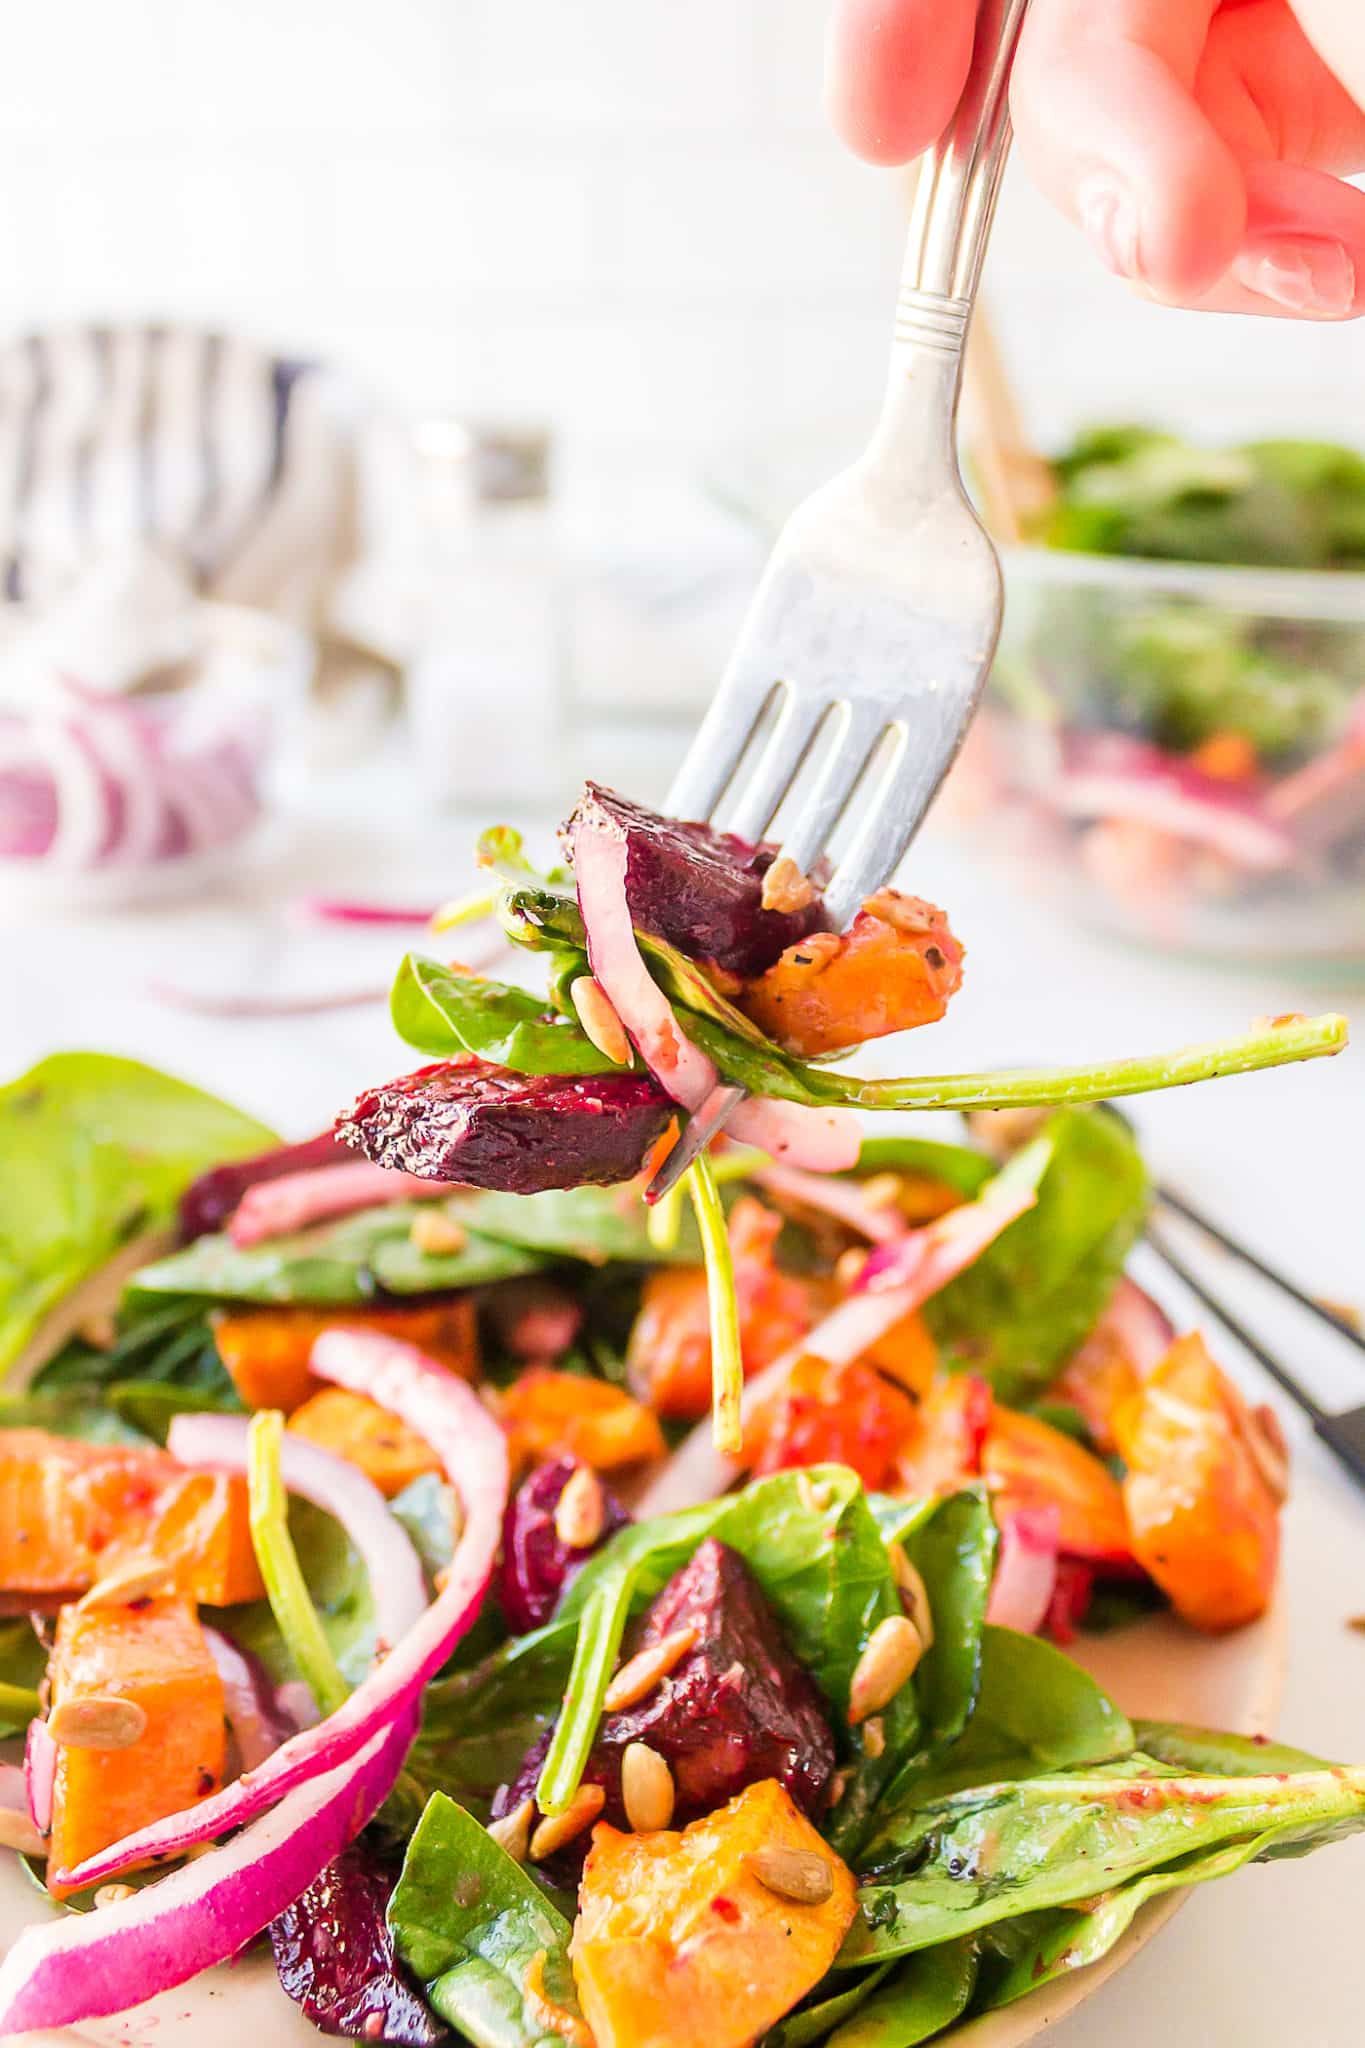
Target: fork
x: 868, y: 640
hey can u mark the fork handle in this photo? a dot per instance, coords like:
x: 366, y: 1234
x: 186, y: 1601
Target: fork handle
x: 954, y: 204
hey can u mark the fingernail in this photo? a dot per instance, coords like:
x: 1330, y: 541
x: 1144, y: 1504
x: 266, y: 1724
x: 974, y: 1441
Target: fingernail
x: 1109, y: 217
x: 1306, y: 276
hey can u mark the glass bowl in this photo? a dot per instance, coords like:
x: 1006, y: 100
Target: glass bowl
x: 1177, y: 752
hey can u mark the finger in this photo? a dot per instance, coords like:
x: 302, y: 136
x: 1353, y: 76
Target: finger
x: 1303, y: 255
x: 1104, y: 107
x: 894, y: 71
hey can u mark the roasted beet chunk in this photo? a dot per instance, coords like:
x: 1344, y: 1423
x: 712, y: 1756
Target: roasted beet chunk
x: 334, y: 1954
x: 208, y: 1202
x: 536, y: 1563
x: 520, y: 1133
x: 699, y: 889
x: 737, y: 1707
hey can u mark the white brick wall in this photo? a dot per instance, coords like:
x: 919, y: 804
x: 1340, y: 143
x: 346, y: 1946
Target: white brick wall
x: 625, y: 216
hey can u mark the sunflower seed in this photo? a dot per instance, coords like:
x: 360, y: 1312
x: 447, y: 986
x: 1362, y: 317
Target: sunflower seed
x: 641, y: 1673
x: 597, y: 1015
x: 893, y: 1650
x: 148, y: 1580
x: 558, y: 1828
x: 97, y: 1722
x: 581, y: 1512
x: 646, y: 1788
x: 797, y: 1874
x: 513, y: 1831
x: 436, y: 1235
x: 914, y: 1594
x: 113, y: 1894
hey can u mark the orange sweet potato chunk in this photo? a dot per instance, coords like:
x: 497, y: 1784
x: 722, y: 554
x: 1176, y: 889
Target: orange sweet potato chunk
x: 894, y: 968
x: 72, y: 1513
x: 155, y: 1654
x: 1205, y: 1521
x: 357, y: 1429
x: 266, y: 1350
x: 547, y: 1414
x: 678, y: 1944
x: 1029, y: 1464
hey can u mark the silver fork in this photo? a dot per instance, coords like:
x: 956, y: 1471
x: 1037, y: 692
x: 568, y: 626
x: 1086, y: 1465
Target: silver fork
x: 874, y: 624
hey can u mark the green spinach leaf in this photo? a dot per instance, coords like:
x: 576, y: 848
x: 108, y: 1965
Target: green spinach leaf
x: 442, y: 1012
x: 815, y: 2022
x: 1187, y: 1748
x: 997, y: 1850
x: 925, y: 1995
x: 77, y: 1413
x: 1020, y: 1310
x: 469, y: 1922
x: 96, y: 1149
x: 478, y: 1724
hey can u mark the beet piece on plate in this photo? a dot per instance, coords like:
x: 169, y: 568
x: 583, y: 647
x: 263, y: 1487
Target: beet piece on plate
x: 518, y: 1133
x: 735, y: 1708
x: 699, y: 889
x: 209, y: 1201
x: 335, y: 1958
x: 536, y: 1562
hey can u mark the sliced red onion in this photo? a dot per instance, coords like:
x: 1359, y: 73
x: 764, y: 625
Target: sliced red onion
x: 1141, y: 1326
x: 1324, y: 801
x: 1026, y: 1570
x: 40, y: 1774
x: 122, y: 747
x: 1109, y: 775
x: 273, y: 1208
x: 16, y: 1789
x: 87, y: 1965
x: 824, y: 1140
x: 473, y: 1452
x: 397, y: 1584
x: 355, y: 910
x: 257, y: 1723
x: 842, y: 1199
x: 929, y: 1259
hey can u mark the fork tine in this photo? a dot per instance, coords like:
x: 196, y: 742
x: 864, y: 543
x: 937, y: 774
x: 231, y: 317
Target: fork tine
x: 843, y: 769
x: 718, y: 748
x: 886, y: 828
x: 787, y: 746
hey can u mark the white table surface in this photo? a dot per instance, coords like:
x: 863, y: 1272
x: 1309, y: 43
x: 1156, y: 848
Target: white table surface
x: 1271, y: 1959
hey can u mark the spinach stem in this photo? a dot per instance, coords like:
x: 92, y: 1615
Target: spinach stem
x: 18, y: 1705
x: 727, y: 1369
x: 285, y: 1587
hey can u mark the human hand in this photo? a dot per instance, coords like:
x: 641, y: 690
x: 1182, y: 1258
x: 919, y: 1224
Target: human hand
x: 1200, y: 144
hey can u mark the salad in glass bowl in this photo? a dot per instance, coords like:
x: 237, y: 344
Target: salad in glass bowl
x: 1174, y: 735
x: 383, y: 1596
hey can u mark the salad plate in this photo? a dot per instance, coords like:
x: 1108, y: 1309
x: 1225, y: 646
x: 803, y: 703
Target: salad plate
x: 446, y: 1591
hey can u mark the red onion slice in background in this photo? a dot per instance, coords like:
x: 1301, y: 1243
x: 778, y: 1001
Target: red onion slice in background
x: 273, y: 1208
x: 841, y: 1199
x: 253, y: 1711
x: 1026, y: 1570
x: 1110, y: 775
x: 40, y: 1774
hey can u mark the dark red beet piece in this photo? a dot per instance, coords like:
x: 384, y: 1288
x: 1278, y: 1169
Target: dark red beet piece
x: 536, y: 1565
x: 519, y: 1133
x: 208, y: 1202
x: 699, y: 889
x: 335, y: 1958
x: 738, y: 1707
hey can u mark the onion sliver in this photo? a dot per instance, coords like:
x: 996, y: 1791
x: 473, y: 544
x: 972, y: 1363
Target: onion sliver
x: 40, y: 1774
x: 824, y: 1140
x: 842, y: 1199
x: 272, y: 1208
x: 16, y: 1794
x: 397, y: 1585
x: 1140, y: 1324
x: 258, y: 1727
x: 87, y: 1965
x: 473, y: 1451
x: 927, y: 1260
x: 1026, y: 1572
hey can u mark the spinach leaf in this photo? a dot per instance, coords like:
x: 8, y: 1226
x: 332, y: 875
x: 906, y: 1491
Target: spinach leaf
x: 1032, y: 1297
x: 469, y: 1922
x: 96, y: 1149
x: 815, y: 2022
x: 340, y: 1590
x: 924, y: 1996
x: 1036, y: 1711
x: 995, y: 1851
x: 156, y: 1339
x: 595, y: 1225
x: 429, y: 1511
x: 812, y: 1543
x: 401, y: 1268
x: 1228, y: 1756
x: 960, y: 1166
x: 444, y: 1012
x: 478, y: 1724
x: 149, y: 1407
x: 76, y: 1413
x: 23, y: 1666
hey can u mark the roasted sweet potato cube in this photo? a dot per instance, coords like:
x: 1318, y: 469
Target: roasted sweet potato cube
x: 266, y: 1350
x: 894, y: 968
x: 549, y: 1414
x: 151, y: 1652
x: 680, y: 1942
x: 1029, y: 1464
x: 200, y: 1525
x: 357, y: 1429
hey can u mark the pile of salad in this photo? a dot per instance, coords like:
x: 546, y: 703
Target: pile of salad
x: 1199, y: 748
x: 535, y: 1616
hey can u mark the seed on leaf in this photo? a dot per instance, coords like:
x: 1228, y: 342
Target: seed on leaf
x: 893, y: 1650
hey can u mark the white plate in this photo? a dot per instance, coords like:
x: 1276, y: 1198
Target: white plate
x: 1158, y: 1670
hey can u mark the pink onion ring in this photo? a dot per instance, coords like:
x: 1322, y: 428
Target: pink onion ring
x: 398, y: 1585
x: 1026, y: 1570
x: 473, y: 1451
x: 930, y: 1257
x: 16, y: 1794
x: 841, y: 1199
x: 87, y: 1965
x: 257, y: 1727
x: 272, y: 1208
x: 40, y: 1774
x: 824, y: 1140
